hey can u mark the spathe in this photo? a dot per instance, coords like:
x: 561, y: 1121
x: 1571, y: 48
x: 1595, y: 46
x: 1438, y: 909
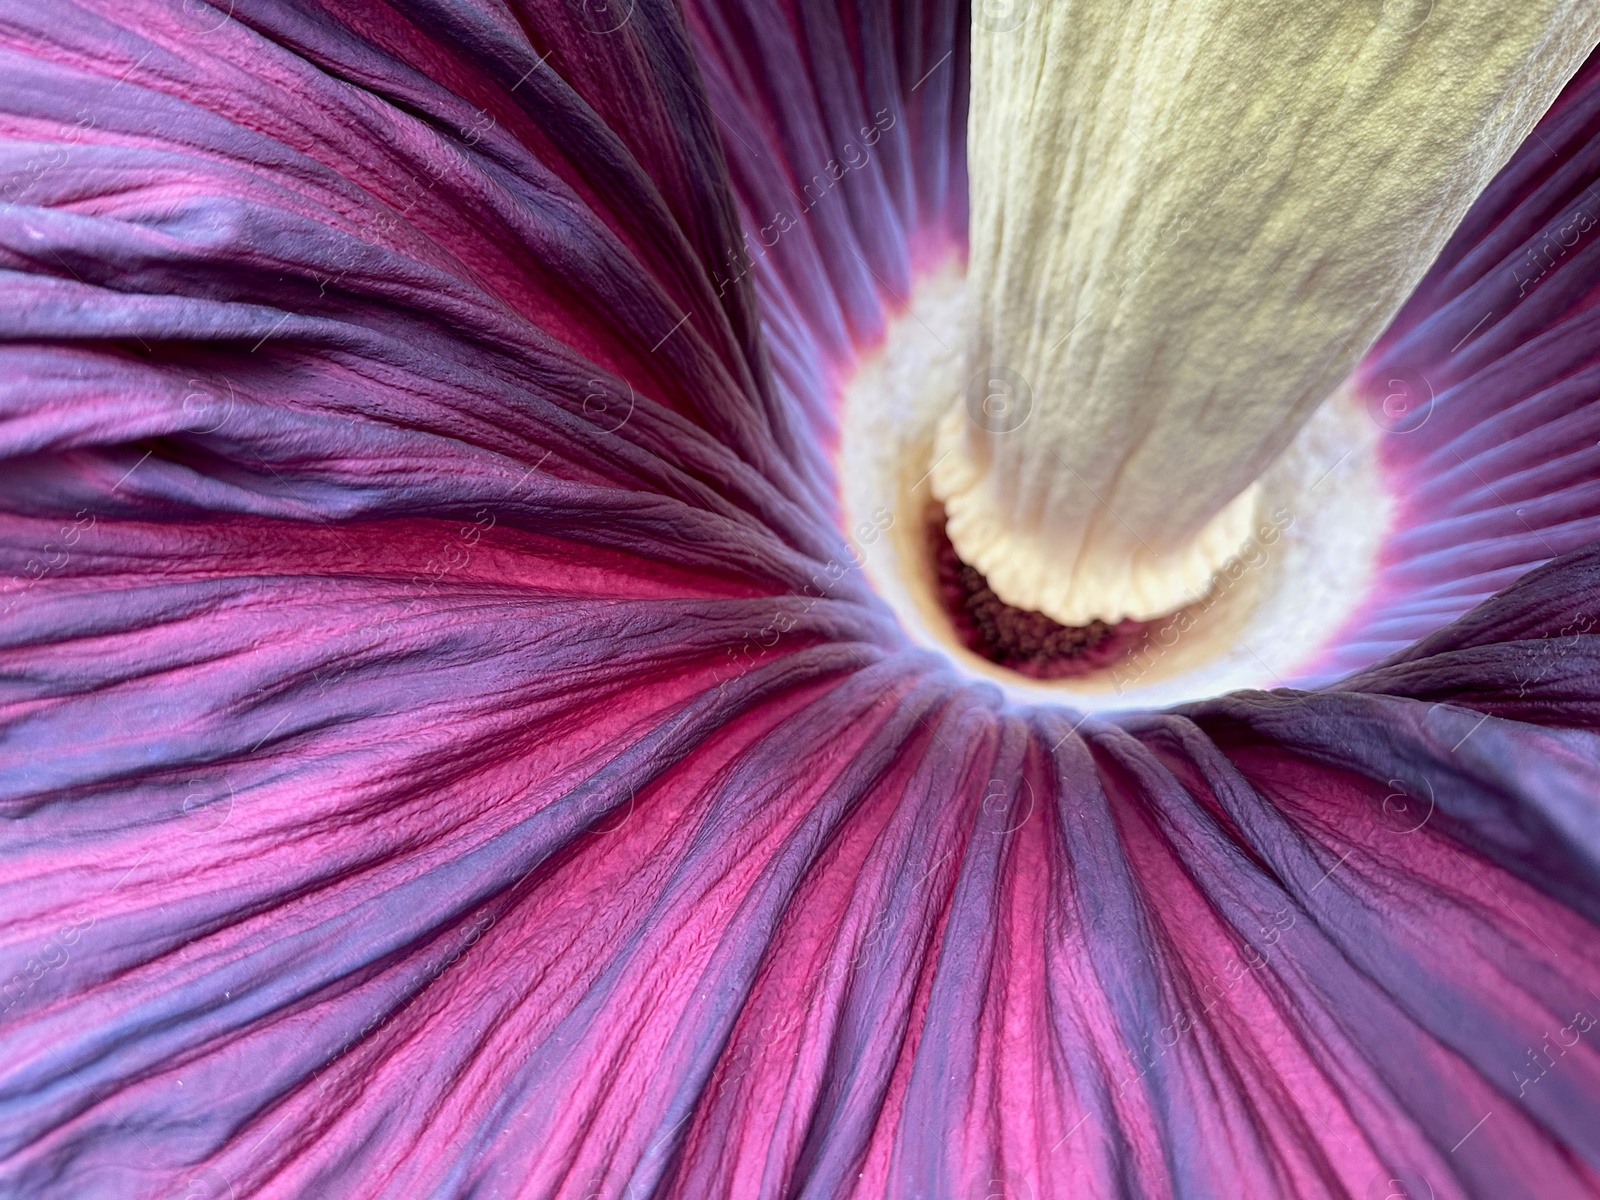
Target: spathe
x: 423, y: 782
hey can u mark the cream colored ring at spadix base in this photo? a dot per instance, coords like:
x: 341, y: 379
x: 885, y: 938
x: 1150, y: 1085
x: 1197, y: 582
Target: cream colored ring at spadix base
x: 1189, y: 220
x: 1275, y: 608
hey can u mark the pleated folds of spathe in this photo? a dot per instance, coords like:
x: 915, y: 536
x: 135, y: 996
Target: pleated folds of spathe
x: 449, y: 750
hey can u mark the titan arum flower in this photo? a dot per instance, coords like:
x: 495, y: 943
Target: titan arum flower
x: 574, y: 626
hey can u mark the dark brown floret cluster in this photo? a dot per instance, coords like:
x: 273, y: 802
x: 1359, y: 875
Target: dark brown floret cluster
x: 1028, y: 643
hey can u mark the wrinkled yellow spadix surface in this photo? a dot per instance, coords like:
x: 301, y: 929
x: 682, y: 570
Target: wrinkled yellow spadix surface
x: 1189, y: 220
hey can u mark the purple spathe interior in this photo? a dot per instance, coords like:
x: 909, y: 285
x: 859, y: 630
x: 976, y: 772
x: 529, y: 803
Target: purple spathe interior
x: 446, y: 752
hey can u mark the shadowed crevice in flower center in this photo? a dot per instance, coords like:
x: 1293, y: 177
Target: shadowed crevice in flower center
x: 1019, y: 639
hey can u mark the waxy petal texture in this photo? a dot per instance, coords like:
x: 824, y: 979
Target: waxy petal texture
x: 449, y: 750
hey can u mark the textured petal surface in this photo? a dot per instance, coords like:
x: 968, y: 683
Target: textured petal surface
x: 448, y: 749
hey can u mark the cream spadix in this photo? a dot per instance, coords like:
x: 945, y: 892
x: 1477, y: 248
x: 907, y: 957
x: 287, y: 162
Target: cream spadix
x: 1189, y: 220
